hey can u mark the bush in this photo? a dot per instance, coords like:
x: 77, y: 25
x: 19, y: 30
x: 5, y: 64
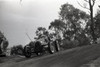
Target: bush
x: 17, y: 50
x: 79, y: 41
x: 69, y: 44
x: 83, y: 41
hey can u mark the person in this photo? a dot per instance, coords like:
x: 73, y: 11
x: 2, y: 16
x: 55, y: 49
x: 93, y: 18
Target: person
x: 0, y: 45
x: 1, y: 40
x: 3, y: 43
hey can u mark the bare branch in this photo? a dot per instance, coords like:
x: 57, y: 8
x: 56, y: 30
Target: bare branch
x: 83, y: 6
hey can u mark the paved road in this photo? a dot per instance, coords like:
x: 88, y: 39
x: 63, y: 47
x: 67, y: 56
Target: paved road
x: 69, y: 58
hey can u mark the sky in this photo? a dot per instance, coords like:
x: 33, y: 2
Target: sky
x: 18, y: 18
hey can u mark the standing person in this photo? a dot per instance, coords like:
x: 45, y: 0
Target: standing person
x: 3, y: 44
x: 1, y: 41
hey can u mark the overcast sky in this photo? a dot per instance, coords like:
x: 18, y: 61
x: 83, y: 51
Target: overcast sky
x: 18, y: 18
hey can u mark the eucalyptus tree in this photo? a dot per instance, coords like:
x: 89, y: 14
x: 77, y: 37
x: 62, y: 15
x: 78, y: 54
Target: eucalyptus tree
x: 41, y: 31
x: 73, y: 18
x: 97, y: 24
x: 90, y: 7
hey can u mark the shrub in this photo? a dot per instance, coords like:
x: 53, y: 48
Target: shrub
x: 17, y: 50
x: 69, y: 44
x: 83, y: 41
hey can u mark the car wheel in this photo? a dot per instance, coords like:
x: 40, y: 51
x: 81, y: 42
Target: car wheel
x: 27, y: 51
x: 51, y: 48
x: 57, y: 46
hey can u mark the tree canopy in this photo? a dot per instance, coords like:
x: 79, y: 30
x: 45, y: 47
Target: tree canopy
x: 90, y: 7
x: 72, y: 17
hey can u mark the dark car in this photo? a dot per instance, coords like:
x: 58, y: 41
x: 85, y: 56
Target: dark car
x: 41, y: 45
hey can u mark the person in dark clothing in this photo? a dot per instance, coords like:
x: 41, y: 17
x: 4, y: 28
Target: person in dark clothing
x: 3, y: 43
x: 0, y: 45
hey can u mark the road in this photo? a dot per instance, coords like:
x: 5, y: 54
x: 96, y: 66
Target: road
x: 75, y: 57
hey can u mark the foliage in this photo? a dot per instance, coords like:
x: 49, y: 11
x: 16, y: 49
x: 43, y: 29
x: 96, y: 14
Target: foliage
x: 66, y: 44
x: 83, y: 39
x: 73, y: 23
x: 40, y: 32
x: 57, y: 25
x: 91, y: 4
x: 72, y: 17
x: 97, y: 24
x: 17, y: 50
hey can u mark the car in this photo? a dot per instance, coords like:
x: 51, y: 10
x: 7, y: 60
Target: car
x: 40, y: 46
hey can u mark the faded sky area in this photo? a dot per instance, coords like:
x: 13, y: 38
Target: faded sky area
x: 17, y: 18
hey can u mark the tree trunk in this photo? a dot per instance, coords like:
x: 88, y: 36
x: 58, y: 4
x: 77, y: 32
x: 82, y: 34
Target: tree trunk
x: 92, y: 21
